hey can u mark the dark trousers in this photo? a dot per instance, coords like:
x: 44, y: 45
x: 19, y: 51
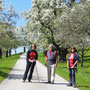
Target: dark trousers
x: 30, y: 66
x: 72, y: 76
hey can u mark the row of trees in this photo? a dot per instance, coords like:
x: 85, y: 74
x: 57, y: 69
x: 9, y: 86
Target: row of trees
x: 8, y: 31
x: 52, y: 21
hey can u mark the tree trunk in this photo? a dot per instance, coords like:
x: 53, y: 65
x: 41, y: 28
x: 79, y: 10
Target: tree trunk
x: 82, y: 52
x: 24, y: 49
x: 45, y: 52
x: 82, y: 55
x: 15, y: 51
x: 0, y: 53
x: 62, y: 53
x: 7, y: 53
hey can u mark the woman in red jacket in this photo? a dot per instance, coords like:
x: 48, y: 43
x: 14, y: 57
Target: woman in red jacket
x: 31, y: 58
x: 73, y: 59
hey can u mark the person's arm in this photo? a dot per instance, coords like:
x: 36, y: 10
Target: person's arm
x: 56, y: 60
x: 36, y: 55
x: 28, y: 56
x: 74, y: 64
x: 68, y: 63
x: 77, y: 60
x: 46, y: 60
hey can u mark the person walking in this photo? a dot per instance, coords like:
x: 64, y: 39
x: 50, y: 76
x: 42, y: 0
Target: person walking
x: 52, y: 59
x: 31, y: 58
x: 73, y: 59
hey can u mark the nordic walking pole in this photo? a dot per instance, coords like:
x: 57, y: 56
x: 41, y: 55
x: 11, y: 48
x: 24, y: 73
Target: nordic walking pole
x: 37, y: 73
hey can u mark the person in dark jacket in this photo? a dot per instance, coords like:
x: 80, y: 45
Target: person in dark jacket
x: 31, y: 58
x: 73, y: 59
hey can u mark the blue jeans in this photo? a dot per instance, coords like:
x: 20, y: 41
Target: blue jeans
x: 72, y: 76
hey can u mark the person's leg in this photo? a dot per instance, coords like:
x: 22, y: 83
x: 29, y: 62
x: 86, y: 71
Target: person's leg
x: 73, y: 77
x: 31, y: 71
x: 49, y: 73
x: 70, y: 77
x: 26, y: 71
x: 52, y: 73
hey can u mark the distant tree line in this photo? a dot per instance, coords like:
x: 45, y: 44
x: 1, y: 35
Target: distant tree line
x: 9, y: 37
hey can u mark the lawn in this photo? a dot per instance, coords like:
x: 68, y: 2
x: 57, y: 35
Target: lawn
x: 6, y: 64
x: 82, y: 76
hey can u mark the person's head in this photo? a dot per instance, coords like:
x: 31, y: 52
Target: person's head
x: 51, y: 46
x: 73, y: 49
x: 33, y: 46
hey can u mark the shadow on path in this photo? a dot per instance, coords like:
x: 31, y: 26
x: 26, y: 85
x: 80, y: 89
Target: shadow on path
x: 55, y: 83
x: 15, y: 76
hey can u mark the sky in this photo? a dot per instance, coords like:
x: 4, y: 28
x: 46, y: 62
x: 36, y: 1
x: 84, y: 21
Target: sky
x: 75, y: 1
x: 20, y: 6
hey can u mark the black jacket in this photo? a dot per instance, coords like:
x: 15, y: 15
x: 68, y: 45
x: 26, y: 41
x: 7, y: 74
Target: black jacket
x: 28, y: 54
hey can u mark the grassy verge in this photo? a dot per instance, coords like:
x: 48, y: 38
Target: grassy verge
x: 82, y: 76
x: 6, y: 64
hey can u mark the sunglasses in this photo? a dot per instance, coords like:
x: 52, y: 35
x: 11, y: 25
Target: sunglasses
x: 72, y: 48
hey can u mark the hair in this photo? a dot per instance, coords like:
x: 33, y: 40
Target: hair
x: 34, y: 46
x: 51, y: 45
x: 75, y: 50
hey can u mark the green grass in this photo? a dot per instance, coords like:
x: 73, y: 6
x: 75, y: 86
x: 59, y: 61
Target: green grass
x: 6, y: 64
x: 82, y: 76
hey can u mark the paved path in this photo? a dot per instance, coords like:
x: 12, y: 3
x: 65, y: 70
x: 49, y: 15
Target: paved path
x: 14, y: 80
